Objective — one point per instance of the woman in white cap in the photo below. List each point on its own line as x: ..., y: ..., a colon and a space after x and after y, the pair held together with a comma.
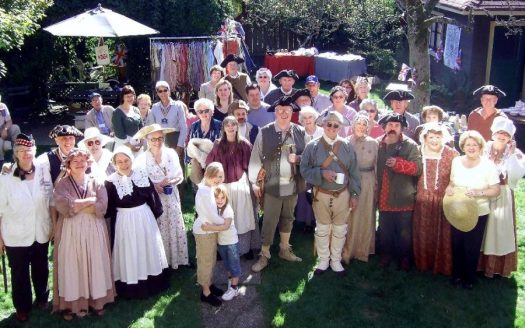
x: 139, y: 259
x: 499, y: 252
x: 94, y: 142
x: 163, y: 168
x: 360, y: 239
x: 431, y: 237
x: 82, y: 252
x: 477, y: 178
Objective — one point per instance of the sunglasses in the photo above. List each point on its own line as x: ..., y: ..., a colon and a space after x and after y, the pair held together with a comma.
x: 203, y: 111
x: 332, y: 125
x: 91, y: 142
x: 162, y: 90
x: 159, y: 139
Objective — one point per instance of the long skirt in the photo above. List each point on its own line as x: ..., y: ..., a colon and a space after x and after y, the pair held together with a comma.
x: 138, y: 253
x: 84, y: 265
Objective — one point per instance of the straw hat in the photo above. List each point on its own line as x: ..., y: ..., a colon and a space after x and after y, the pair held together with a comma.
x: 93, y: 132
x: 142, y: 133
x: 460, y: 210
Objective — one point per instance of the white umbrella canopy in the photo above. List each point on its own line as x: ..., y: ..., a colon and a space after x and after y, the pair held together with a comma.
x: 99, y: 22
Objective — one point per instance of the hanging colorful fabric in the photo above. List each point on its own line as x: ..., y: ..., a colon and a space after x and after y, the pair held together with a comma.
x: 120, y: 55
x: 102, y: 53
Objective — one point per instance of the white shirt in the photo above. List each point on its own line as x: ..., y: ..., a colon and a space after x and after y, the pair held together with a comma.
x: 25, y: 212
x: 206, y: 209
x: 229, y: 236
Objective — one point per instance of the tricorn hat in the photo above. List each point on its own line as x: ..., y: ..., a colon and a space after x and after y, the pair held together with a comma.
x: 287, y: 73
x: 393, y: 117
x: 489, y: 90
x: 300, y: 93
x: 398, y: 95
x: 230, y: 58
x: 460, y: 210
x: 284, y: 101
x: 65, y: 130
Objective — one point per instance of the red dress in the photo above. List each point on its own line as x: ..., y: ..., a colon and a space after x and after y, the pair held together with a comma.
x: 431, y: 231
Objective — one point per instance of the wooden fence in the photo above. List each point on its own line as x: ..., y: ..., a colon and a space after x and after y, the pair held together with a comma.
x: 259, y: 40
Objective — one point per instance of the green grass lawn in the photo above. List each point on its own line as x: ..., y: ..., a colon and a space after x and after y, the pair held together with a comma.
x: 369, y: 296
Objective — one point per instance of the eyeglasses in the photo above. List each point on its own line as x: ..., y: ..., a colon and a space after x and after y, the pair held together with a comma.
x: 158, y: 139
x: 332, y: 125
x: 203, y: 111
x: 162, y: 90
x: 338, y: 97
x: 91, y: 142
x: 371, y: 110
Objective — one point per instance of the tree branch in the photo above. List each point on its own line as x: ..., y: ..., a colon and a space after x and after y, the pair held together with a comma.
x: 439, y: 19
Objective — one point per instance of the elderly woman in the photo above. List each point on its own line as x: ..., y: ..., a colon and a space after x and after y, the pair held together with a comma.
x: 360, y: 239
x: 263, y: 76
x: 164, y: 170
x: 476, y: 177
x: 431, y: 231
x: 303, y: 210
x: 25, y: 226
x: 362, y: 88
x: 370, y: 107
x: 349, y: 87
x: 82, y: 252
x: 233, y: 152
x: 338, y: 97
x: 207, y: 89
x: 94, y: 142
x: 127, y: 121
x: 205, y: 128
x: 499, y: 245
x: 144, y: 105
x: 223, y: 99
x: 139, y: 259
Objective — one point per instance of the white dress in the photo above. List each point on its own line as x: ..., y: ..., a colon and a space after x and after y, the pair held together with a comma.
x: 171, y: 222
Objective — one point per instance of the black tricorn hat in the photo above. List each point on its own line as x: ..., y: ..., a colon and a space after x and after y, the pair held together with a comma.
x: 301, y: 92
x: 287, y: 73
x: 393, y: 117
x: 230, y: 58
x: 284, y: 101
x: 489, y: 90
x: 65, y: 130
x: 398, y: 95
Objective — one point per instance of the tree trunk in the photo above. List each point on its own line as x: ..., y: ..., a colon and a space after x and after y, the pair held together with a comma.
x: 417, y: 34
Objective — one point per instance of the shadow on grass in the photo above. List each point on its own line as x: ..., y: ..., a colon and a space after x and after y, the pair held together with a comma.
x: 377, y: 297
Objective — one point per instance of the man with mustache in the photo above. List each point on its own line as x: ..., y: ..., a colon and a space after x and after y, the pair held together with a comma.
x: 398, y: 165
x: 239, y: 109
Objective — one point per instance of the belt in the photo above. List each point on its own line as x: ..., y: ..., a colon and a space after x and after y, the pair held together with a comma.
x: 366, y: 169
x: 333, y: 193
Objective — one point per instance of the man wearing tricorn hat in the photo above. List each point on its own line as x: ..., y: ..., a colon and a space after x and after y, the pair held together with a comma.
x: 329, y: 163
x: 398, y: 165
x: 481, y: 118
x: 238, y: 80
x: 398, y: 101
x: 287, y: 79
x: 275, y: 178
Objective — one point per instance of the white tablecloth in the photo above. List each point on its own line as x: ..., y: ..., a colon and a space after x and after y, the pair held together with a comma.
x: 330, y: 66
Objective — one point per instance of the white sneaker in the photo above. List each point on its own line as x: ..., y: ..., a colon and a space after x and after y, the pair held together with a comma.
x: 230, y: 294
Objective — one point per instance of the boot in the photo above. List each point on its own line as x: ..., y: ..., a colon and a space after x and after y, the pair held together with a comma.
x: 322, y: 246
x: 336, y: 247
x: 263, y: 260
x: 285, y: 251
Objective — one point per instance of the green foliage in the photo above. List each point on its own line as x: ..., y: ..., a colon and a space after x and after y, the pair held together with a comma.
x: 367, y: 27
x: 19, y: 19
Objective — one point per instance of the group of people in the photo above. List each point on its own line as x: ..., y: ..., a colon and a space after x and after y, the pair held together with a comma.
x: 328, y: 161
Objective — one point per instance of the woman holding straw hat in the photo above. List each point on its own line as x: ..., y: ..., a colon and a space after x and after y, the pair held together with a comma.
x: 83, y: 265
x: 94, y: 142
x: 163, y: 168
x: 499, y: 245
x: 431, y: 238
x: 139, y: 259
x: 475, y: 177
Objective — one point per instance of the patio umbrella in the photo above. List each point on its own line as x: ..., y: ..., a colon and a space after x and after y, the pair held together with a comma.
x: 99, y: 22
